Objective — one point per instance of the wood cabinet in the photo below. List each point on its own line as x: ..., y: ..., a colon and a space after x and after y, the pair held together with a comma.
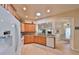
x: 40, y: 40
x: 28, y: 39
x: 28, y: 27
x: 34, y: 39
x: 22, y: 27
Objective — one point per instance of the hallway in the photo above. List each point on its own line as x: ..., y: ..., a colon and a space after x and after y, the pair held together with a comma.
x: 64, y: 47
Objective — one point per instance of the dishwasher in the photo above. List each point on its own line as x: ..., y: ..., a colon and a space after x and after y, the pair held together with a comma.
x: 50, y: 41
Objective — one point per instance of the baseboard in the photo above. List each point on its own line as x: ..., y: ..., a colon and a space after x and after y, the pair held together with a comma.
x: 75, y: 49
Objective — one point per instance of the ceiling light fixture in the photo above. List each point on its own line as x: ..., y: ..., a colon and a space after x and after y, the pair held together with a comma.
x: 38, y: 14
x: 26, y: 16
x: 24, y: 8
x: 48, y: 10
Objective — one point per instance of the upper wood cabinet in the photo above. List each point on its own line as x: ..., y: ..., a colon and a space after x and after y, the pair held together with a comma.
x: 28, y: 27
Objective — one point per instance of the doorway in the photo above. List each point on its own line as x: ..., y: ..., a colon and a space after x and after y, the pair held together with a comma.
x: 64, y: 30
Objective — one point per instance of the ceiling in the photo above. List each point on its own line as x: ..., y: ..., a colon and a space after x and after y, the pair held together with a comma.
x: 32, y: 9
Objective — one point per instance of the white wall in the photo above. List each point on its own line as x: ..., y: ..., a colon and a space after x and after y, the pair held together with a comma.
x: 46, y: 20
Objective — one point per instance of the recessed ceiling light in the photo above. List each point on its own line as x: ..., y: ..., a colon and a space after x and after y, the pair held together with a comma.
x: 24, y: 8
x: 26, y: 16
x: 38, y: 14
x: 48, y: 10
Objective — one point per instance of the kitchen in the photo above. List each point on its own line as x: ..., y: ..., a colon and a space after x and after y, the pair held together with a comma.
x: 31, y: 35
x: 40, y: 33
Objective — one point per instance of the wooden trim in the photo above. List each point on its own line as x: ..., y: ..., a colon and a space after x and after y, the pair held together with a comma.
x: 12, y: 7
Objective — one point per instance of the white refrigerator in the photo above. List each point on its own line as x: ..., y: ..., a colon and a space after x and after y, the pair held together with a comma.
x: 10, y: 35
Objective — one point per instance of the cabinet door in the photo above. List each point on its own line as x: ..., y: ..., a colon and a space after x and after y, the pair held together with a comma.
x: 33, y: 28
x: 40, y: 40
x: 36, y: 39
x: 28, y: 39
x: 30, y: 27
x: 27, y: 27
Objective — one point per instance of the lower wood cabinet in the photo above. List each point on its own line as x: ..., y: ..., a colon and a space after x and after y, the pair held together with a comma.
x: 28, y: 39
x: 34, y: 39
x: 40, y: 40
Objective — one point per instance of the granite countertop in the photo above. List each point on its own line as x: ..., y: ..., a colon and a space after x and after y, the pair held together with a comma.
x: 36, y: 34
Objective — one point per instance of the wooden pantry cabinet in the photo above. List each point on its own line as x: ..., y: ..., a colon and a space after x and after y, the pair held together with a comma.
x: 28, y: 27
